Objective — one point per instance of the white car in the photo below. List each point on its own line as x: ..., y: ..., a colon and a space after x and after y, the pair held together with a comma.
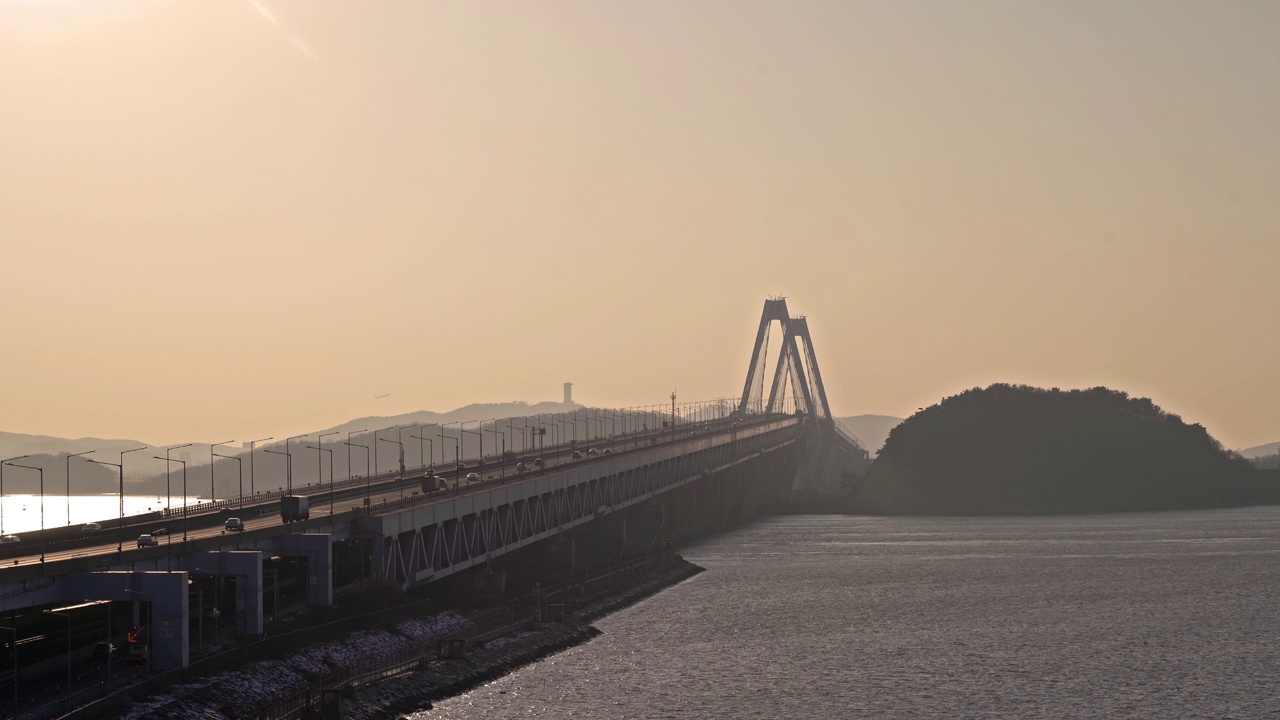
x: 147, y: 541
x: 473, y: 477
x: 9, y: 539
x: 91, y: 528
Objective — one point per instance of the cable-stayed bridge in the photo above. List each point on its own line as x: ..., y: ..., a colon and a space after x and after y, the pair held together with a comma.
x: 656, y: 477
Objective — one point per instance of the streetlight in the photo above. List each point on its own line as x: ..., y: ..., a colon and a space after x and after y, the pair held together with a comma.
x: 462, y: 430
x: 318, y: 462
x: 397, y: 442
x: 348, y: 444
x: 431, y: 448
x: 524, y: 448
x: 251, y: 444
x: 213, y: 492
x: 502, y: 460
x: 288, y: 466
x: 67, y: 699
x: 168, y: 495
x: 120, y: 466
x: 86, y: 452
x: 376, y: 468
x: 366, y: 467
x: 239, y: 472
x: 167, y: 460
x: 319, y: 458
x: 2, y: 464
x: 443, y: 437
x: 400, y: 437
x: 41, y: 471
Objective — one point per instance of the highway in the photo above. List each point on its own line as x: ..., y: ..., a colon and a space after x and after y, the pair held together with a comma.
x: 387, y: 487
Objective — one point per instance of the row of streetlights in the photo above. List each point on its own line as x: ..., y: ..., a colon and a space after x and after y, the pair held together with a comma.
x: 563, y: 426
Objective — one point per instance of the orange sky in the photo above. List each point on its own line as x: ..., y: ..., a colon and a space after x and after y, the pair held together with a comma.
x: 240, y: 219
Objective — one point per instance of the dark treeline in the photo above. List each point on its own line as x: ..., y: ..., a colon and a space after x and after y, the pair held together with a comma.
x: 1012, y: 449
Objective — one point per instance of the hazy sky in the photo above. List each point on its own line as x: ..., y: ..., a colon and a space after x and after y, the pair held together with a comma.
x: 237, y: 219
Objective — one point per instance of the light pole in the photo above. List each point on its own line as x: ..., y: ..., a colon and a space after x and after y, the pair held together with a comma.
x: 376, y: 468
x: 41, y: 471
x: 120, y: 466
x: 184, y: 500
x: 213, y: 492
x: 239, y: 472
x: 502, y: 461
x: 366, y: 467
x: 348, y: 444
x: 397, y: 442
x: 86, y: 452
x: 320, y: 473
x: 455, y: 454
x: 455, y: 444
x: 168, y: 495
x: 431, y: 447
x: 2, y: 464
x: 524, y: 450
x: 251, y: 444
x: 67, y: 699
x: 289, y: 465
x: 462, y: 430
x: 318, y: 461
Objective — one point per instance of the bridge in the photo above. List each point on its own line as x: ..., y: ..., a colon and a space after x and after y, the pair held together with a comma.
x: 574, y: 504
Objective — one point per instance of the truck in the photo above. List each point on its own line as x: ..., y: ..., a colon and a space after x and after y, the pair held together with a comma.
x: 430, y: 482
x: 294, y: 508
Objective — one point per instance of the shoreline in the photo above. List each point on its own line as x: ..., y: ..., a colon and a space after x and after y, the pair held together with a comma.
x: 281, y: 682
x: 416, y: 691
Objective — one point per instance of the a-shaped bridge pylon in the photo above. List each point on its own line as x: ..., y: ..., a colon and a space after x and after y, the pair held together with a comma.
x: 794, y: 369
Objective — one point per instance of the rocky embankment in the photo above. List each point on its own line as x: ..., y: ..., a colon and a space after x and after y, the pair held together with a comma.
x: 252, y: 689
x: 444, y: 678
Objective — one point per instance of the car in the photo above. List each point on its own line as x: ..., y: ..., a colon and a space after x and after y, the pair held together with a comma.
x: 103, y: 650
x: 147, y: 541
x: 160, y: 531
x: 135, y: 655
x: 235, y: 524
x: 473, y: 477
x: 607, y: 451
x: 91, y: 528
x: 5, y: 540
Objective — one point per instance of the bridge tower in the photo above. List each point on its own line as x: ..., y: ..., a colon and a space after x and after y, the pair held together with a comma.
x: 799, y: 371
x: 833, y: 458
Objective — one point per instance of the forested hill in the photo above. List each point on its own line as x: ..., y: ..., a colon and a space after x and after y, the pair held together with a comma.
x: 1012, y: 449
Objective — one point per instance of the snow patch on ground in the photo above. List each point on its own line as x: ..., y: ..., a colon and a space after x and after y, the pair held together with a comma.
x: 265, y: 682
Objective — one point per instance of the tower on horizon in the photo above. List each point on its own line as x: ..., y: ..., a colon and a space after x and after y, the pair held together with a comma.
x: 568, y: 393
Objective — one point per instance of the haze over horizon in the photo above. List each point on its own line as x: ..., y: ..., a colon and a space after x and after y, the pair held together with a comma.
x: 251, y: 219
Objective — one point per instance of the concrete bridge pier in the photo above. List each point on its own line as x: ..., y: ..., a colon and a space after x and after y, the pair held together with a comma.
x: 318, y: 549
x: 245, y: 566
x: 166, y: 618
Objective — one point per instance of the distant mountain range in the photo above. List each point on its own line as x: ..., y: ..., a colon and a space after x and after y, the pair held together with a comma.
x: 13, y: 444
x: 144, y: 474
x: 1261, y: 450
x: 871, y: 430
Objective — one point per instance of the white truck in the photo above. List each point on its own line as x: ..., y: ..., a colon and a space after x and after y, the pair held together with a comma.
x: 294, y: 508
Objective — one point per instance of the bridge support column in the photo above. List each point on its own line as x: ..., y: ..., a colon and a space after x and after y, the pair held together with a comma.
x: 246, y: 567
x: 318, y: 549
x: 167, y: 617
